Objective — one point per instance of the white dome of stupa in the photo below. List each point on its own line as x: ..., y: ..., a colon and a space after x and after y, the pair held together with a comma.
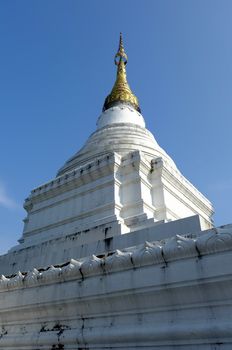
x: 120, y: 129
x: 121, y: 126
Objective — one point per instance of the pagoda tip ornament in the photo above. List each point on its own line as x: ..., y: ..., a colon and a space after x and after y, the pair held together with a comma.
x: 121, y: 92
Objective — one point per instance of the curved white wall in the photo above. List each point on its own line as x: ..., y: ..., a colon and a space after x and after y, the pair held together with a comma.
x: 120, y: 114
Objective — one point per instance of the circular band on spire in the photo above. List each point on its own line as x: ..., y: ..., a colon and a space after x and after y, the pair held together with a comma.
x: 121, y: 92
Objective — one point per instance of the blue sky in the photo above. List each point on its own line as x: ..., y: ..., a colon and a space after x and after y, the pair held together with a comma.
x: 56, y: 68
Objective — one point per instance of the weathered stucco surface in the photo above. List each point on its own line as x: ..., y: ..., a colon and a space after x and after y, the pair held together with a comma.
x: 113, y: 255
x: 170, y: 294
x: 121, y: 175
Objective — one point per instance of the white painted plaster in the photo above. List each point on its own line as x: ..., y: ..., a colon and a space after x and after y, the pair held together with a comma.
x: 120, y: 114
x: 174, y: 293
x: 113, y: 254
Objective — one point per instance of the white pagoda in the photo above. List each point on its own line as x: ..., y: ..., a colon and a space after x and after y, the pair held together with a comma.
x: 118, y: 250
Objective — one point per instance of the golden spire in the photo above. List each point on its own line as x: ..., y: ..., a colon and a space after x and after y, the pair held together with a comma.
x: 121, y: 91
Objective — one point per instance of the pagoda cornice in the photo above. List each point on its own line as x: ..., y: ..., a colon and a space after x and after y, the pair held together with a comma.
x: 148, y: 254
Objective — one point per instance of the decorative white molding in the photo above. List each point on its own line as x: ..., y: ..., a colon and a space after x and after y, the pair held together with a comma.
x: 76, y: 174
x: 118, y: 261
x: 176, y: 179
x: 179, y: 247
x: 91, y: 266
x: 150, y: 253
x: 216, y: 240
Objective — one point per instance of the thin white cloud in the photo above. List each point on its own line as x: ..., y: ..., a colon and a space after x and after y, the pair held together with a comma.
x: 5, y: 200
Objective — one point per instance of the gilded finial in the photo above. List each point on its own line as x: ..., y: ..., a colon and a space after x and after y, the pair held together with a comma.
x: 121, y: 92
x: 121, y: 52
